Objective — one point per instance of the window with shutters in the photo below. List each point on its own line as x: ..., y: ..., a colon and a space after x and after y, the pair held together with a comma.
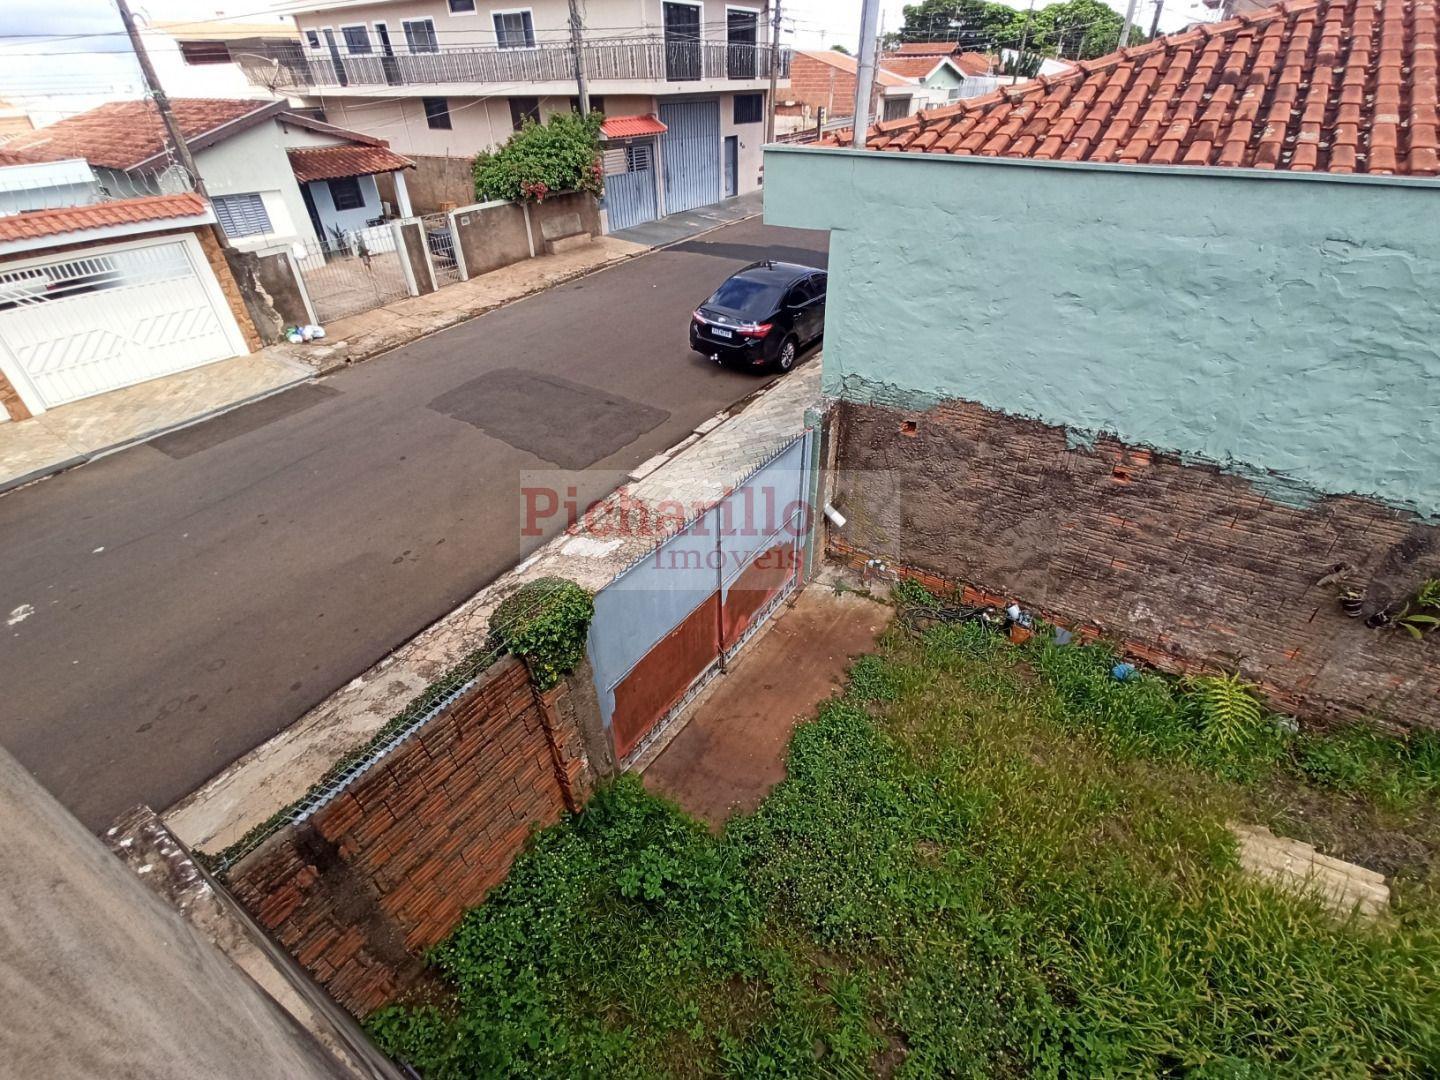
x: 514, y: 29
x: 241, y: 215
x: 420, y: 35
x: 749, y: 108
x: 345, y: 193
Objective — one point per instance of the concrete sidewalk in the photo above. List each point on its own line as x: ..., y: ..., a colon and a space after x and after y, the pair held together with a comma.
x: 676, y: 227
x: 273, y: 775
x: 73, y: 434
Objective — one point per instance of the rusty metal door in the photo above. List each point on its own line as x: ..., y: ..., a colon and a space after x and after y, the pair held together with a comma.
x: 666, y: 626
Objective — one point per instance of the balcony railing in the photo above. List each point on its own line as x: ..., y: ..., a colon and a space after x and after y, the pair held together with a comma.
x: 648, y: 60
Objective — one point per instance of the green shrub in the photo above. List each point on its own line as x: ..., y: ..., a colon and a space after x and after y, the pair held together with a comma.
x: 544, y: 622
x: 540, y: 160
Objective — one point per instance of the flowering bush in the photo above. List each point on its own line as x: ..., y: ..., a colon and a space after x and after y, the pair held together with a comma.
x: 540, y: 160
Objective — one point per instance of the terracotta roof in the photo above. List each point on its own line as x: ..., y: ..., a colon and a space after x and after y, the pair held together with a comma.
x: 1332, y: 85
x: 973, y: 63
x: 328, y: 162
x: 124, y: 134
x: 911, y: 67
x: 849, y: 64
x: 627, y: 127
x: 40, y: 223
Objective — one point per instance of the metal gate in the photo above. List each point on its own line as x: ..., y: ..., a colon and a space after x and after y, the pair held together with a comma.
x: 354, y: 272
x: 440, y: 240
x: 81, y: 326
x: 663, y: 628
x: 690, y: 153
x: 630, y: 184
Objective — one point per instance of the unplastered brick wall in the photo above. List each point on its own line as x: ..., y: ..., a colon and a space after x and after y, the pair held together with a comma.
x: 362, y: 888
x: 1185, y: 565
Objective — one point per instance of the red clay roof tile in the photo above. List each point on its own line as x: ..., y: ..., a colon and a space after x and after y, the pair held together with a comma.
x: 628, y: 127
x: 1323, y: 85
x: 36, y: 224
x: 122, y: 134
x: 329, y: 162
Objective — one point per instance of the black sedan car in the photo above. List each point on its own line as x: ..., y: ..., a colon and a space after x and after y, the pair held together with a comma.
x: 762, y: 316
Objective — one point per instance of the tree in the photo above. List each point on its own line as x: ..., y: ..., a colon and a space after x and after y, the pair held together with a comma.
x: 841, y: 49
x: 1072, y: 29
x: 539, y: 160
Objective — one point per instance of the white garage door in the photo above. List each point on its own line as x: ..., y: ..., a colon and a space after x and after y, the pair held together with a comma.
x: 80, y: 326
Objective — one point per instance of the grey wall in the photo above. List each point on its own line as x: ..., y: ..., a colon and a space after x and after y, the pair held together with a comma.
x: 100, y: 978
x: 491, y: 236
x: 1282, y: 326
x: 436, y: 183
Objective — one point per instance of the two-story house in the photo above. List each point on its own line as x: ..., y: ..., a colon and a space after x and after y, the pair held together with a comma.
x: 682, y: 84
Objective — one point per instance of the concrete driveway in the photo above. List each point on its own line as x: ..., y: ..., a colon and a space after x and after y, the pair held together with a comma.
x: 174, y: 605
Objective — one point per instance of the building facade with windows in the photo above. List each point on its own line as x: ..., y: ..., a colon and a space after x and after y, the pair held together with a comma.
x: 682, y: 84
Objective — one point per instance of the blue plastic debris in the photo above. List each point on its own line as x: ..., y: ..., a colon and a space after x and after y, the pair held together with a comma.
x: 1122, y: 672
x: 1063, y: 636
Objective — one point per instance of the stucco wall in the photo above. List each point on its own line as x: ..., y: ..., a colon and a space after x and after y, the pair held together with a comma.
x: 255, y: 161
x: 1272, y: 324
x: 474, y: 29
x: 347, y: 220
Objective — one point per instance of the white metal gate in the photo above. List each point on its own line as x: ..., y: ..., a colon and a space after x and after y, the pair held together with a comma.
x: 690, y: 153
x: 118, y: 316
x: 354, y: 272
x: 440, y: 241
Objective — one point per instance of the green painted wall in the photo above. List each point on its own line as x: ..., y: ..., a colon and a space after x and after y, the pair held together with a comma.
x: 1273, y: 324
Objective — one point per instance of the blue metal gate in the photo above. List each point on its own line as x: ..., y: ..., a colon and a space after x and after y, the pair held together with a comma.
x: 669, y: 622
x: 630, y: 184
x: 690, y: 152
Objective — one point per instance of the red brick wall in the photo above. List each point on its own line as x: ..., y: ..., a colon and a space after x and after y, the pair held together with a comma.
x: 1185, y: 564
x: 818, y: 84
x: 385, y: 870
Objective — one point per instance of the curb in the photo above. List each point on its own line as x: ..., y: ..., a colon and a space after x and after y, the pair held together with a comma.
x: 88, y: 456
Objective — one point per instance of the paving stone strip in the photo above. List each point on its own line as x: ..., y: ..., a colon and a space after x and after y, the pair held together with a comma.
x: 1293, y: 865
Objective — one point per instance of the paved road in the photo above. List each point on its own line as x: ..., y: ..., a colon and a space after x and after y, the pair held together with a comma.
x: 193, y: 596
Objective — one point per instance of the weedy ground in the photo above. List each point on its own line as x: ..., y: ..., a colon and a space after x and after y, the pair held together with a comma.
x: 986, y: 860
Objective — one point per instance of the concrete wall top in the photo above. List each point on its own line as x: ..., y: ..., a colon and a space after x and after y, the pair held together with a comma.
x: 1283, y: 325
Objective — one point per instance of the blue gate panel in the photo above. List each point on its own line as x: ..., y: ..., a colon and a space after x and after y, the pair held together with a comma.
x: 690, y: 154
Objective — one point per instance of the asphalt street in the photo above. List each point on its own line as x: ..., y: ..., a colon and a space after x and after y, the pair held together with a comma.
x: 191, y: 597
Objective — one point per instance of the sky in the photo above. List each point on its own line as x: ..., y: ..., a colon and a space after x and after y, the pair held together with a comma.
x: 48, y: 66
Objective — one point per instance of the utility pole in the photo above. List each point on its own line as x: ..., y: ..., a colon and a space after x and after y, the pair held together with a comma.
x: 1129, y: 22
x: 865, y: 69
x: 162, y: 103
x: 577, y: 45
x: 1155, y: 22
x: 774, y: 69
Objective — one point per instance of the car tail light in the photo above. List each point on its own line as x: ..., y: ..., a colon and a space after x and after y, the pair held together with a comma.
x: 753, y: 330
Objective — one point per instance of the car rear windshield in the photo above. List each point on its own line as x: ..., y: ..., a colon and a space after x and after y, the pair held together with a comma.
x: 744, y: 296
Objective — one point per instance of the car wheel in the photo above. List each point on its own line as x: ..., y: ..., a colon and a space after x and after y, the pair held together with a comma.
x: 785, y: 359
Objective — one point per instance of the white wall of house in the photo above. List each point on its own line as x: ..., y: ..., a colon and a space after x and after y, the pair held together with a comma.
x: 196, y: 80
x: 255, y: 161
x: 751, y: 146
x: 346, y: 220
x: 461, y: 29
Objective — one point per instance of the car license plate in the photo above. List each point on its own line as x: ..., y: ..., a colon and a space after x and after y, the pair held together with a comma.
x: 718, y: 332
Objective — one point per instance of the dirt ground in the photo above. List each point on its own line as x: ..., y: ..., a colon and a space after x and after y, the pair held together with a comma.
x: 732, y: 751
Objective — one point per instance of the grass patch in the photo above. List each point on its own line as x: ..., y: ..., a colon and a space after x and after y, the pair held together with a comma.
x: 984, y: 861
